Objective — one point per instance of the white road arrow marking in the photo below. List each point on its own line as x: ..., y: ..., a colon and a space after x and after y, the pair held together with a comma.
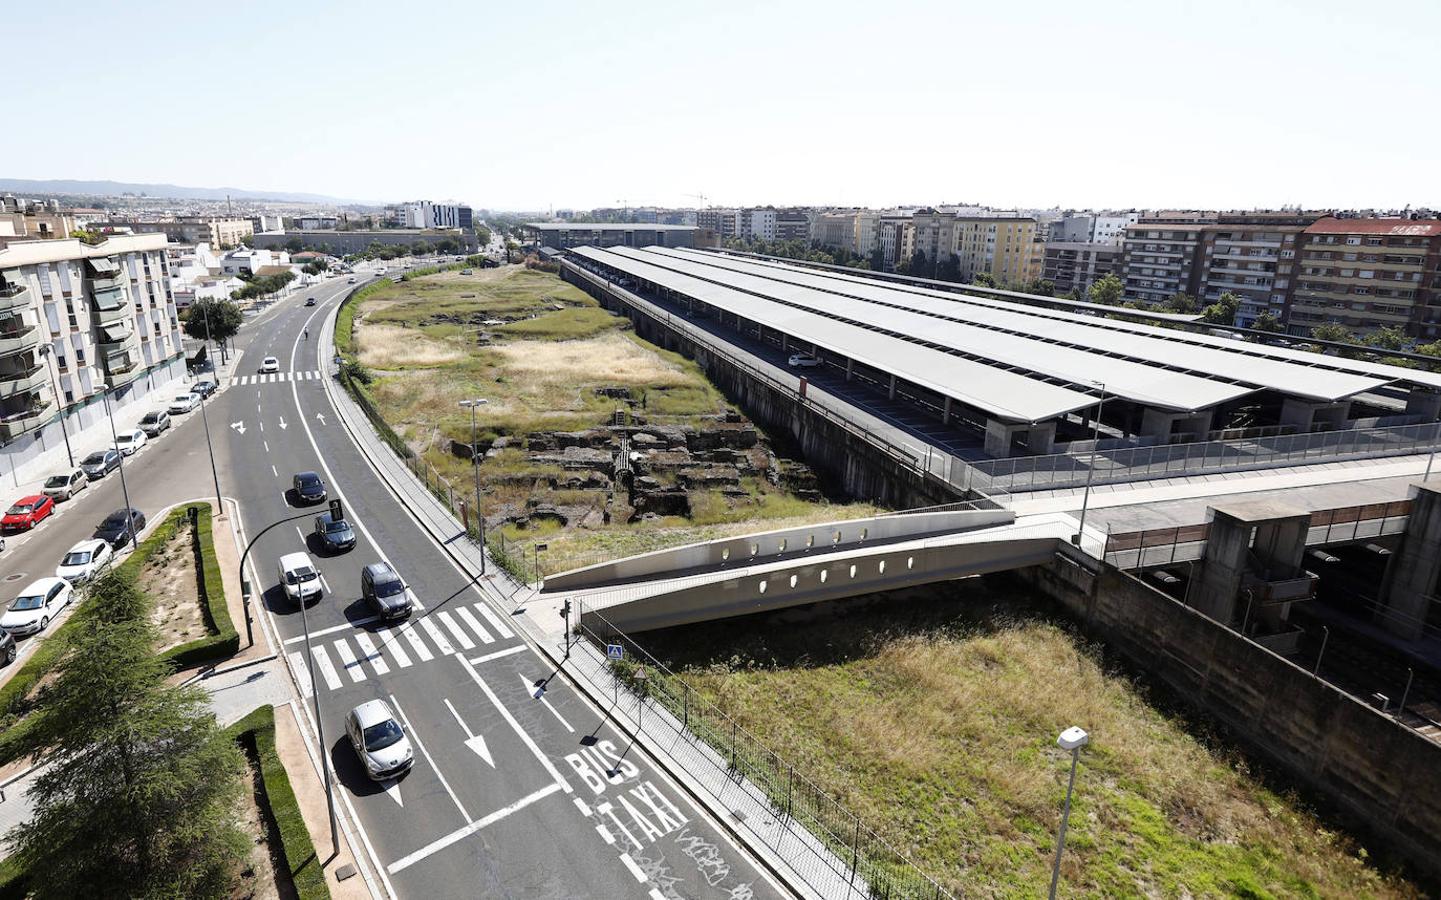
x: 474, y: 741
x: 238, y: 426
x: 392, y: 787
x: 282, y: 423
x: 321, y: 417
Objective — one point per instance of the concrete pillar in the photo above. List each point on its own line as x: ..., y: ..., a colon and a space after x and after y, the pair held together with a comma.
x: 1167, y: 423
x: 1421, y: 402
x: 1306, y: 415
x: 998, y: 437
x: 849, y: 364
x: 785, y: 342
x: 1410, y: 579
x: 1233, y: 559
x: 892, y: 392
x: 1041, y: 437
x: 946, y: 412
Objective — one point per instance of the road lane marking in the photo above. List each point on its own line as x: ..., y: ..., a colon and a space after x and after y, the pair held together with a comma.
x: 538, y: 693
x: 460, y: 636
x: 322, y: 659
x: 655, y: 894
x: 297, y: 665
x: 357, y: 623
x: 495, y: 622
x: 508, y: 651
x: 352, y: 665
x: 435, y: 635
x: 401, y: 658
x: 474, y: 741
x: 273, y: 469
x: 416, y: 644
x: 407, y: 861
x: 479, y: 629
x: 510, y: 720
x: 605, y: 834
x: 634, y: 869
x: 372, y: 655
x: 415, y: 736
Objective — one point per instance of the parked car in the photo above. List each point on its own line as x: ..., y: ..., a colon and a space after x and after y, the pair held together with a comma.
x: 379, y: 740
x: 803, y: 361
x: 7, y: 647
x: 299, y: 577
x: 41, y: 601
x: 203, y: 389
x: 269, y: 365
x: 385, y: 592
x: 155, y: 422
x: 335, y: 535
x: 308, y: 488
x: 309, y: 301
x: 65, y: 485
x: 128, y: 442
x: 184, y: 403
x: 85, y: 560
x: 27, y: 513
x: 100, y: 463
x: 118, y: 527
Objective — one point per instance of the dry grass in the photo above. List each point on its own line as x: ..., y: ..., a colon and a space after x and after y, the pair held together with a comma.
x: 171, y: 579
x: 384, y: 346
x: 608, y: 359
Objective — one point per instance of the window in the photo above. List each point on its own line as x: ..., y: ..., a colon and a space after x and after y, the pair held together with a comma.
x: 1353, y: 241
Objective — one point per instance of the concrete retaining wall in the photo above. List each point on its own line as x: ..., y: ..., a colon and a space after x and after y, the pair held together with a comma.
x: 1361, y: 761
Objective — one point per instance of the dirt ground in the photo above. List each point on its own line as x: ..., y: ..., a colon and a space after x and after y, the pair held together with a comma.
x: 171, y: 578
x: 261, y: 877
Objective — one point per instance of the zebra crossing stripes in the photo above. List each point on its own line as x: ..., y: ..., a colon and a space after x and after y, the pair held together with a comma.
x: 352, y: 665
x: 276, y: 377
x: 475, y: 626
x: 372, y: 655
x: 460, y: 636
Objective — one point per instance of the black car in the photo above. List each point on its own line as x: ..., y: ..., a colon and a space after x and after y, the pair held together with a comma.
x: 309, y: 301
x: 100, y: 463
x: 7, y: 647
x: 334, y: 535
x: 309, y: 488
x: 384, y: 591
x: 203, y: 388
x: 120, y: 525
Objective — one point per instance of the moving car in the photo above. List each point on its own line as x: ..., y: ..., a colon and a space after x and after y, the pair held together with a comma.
x: 120, y: 525
x: 65, y: 485
x: 350, y: 280
x: 27, y: 512
x: 385, y: 592
x: 269, y: 365
x: 184, y: 403
x: 100, y: 463
x: 379, y: 740
x: 40, y: 602
x: 155, y: 422
x: 308, y: 488
x: 84, y: 561
x: 203, y: 388
x: 309, y: 301
x: 803, y: 361
x: 335, y: 535
x: 299, y: 578
x: 127, y: 442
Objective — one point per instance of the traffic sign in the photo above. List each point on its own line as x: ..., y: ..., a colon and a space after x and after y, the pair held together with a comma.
x: 614, y: 651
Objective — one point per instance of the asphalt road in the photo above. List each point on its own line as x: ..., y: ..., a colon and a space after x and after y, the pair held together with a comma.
x: 511, y: 795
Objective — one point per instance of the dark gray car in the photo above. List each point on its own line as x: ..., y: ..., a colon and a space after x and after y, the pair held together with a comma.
x: 384, y: 591
x: 100, y: 463
x: 119, y: 525
x: 335, y: 535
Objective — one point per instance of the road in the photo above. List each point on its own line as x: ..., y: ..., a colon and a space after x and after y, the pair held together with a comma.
x: 512, y: 795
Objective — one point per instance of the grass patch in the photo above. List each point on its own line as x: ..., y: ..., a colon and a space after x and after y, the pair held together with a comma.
x: 933, y: 715
x: 567, y: 324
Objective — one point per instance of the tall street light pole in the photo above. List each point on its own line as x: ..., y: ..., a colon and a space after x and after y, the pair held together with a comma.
x: 48, y: 351
x: 1091, y: 466
x: 124, y: 491
x: 1072, y: 739
x: 214, y: 473
x: 474, y: 404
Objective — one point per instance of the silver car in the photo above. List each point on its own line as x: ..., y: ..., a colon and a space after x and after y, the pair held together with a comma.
x: 379, y: 740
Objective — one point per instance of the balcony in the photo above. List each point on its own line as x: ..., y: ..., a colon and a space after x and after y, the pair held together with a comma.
x: 103, y: 317
x: 26, y: 337
x: 14, y: 296
x: 22, y: 381
x: 12, y: 425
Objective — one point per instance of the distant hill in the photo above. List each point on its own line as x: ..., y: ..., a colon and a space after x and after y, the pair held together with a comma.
x: 171, y: 191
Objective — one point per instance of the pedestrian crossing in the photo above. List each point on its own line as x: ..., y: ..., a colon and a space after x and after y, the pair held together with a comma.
x: 276, y: 377
x: 426, y: 636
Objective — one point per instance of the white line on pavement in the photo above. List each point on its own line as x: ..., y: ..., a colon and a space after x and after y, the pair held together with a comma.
x: 634, y: 869
x: 406, y: 862
x: 297, y: 664
x: 415, y: 736
x: 331, y: 630
x: 416, y: 644
x: 372, y: 655
x: 322, y: 659
x: 538, y: 694
x: 460, y: 636
x: 352, y: 665
x: 390, y: 640
x: 475, y: 625
x: 510, y: 720
x: 500, y: 627
x: 435, y: 635
x: 518, y: 648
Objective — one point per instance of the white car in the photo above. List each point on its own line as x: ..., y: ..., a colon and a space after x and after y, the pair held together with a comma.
x: 184, y: 403
x: 37, y: 605
x: 127, y: 442
x: 269, y: 365
x: 803, y: 361
x: 379, y: 740
x: 85, y: 560
x: 299, y: 577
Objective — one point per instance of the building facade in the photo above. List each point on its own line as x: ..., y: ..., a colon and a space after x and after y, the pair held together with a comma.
x: 1252, y: 259
x: 1161, y: 259
x: 425, y: 214
x: 757, y: 224
x: 725, y: 223
x: 835, y: 230
x: 1368, y: 274
x: 564, y: 235
x: 218, y: 233
x: 793, y: 225
x: 1076, y: 265
x: 934, y: 235
x: 1003, y: 247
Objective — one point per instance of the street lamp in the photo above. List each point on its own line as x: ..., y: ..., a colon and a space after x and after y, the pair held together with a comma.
x: 48, y: 351
x: 475, y: 467
x: 1072, y: 739
x: 125, y: 491
x: 214, y: 473
x: 1091, y: 464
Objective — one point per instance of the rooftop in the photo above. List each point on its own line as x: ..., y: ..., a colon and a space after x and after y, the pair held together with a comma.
x: 606, y: 226
x: 1394, y: 227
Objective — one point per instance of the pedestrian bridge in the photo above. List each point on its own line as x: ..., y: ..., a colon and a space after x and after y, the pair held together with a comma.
x: 794, y: 566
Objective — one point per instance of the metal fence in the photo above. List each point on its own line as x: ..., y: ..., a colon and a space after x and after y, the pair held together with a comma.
x: 849, y: 853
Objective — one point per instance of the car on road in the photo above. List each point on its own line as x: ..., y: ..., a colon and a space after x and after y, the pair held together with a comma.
x: 7, y: 647
x: 27, y: 513
x: 100, y: 463
x: 128, y: 442
x: 269, y: 365
x: 65, y: 485
x: 308, y: 487
x: 155, y: 422
x: 334, y: 535
x: 184, y: 403
x: 85, y: 560
x: 202, y: 389
x: 41, y: 601
x: 385, y: 592
x: 803, y: 361
x: 309, y: 301
x: 379, y: 740
x: 119, y: 526
x: 350, y: 280
x: 299, y: 577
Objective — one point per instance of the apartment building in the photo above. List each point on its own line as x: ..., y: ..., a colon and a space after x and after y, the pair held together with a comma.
x: 425, y: 214
x: 1368, y: 274
x: 1004, y: 247
x: 724, y: 223
x: 896, y: 238
x: 835, y: 230
x: 757, y: 224
x: 1076, y: 265
x: 1252, y: 256
x: 29, y: 220
x: 78, y: 321
x: 1161, y: 259
x: 793, y: 225
x: 934, y: 234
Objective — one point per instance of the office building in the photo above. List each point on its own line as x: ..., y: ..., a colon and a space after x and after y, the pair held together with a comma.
x: 1368, y: 274
x: 1076, y: 265
x: 425, y: 214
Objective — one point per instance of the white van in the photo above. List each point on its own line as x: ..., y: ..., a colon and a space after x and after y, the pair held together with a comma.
x: 299, y: 577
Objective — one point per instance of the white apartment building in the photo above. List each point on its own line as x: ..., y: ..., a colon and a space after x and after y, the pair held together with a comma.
x: 252, y: 260
x: 1110, y: 228
x: 77, y: 322
x: 425, y: 214
x: 757, y: 224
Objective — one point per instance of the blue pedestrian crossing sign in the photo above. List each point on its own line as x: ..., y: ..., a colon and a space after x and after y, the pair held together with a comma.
x: 614, y: 651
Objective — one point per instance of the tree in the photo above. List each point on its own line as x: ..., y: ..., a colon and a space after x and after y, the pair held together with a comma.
x: 1180, y: 302
x: 919, y: 266
x: 1075, y: 294
x: 984, y: 279
x: 295, y: 245
x: 878, y: 259
x: 87, y: 236
x: 1042, y: 287
x: 1107, y: 290
x: 1267, y: 322
x: 1389, y: 338
x: 1333, y: 332
x: 216, y: 320
x: 140, y: 789
x: 1223, y: 311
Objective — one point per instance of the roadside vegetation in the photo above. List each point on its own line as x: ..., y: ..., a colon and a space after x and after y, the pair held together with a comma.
x: 933, y: 715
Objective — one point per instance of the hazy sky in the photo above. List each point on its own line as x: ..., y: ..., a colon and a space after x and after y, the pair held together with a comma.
x: 528, y: 105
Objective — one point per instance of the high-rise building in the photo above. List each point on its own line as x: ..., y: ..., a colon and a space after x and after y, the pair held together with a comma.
x: 725, y: 223
x: 425, y: 214
x: 1161, y: 259
x: 934, y: 235
x: 757, y: 224
x: 1367, y: 274
x: 1251, y: 255
x: 793, y: 225
x: 1004, y: 247
x: 1076, y: 265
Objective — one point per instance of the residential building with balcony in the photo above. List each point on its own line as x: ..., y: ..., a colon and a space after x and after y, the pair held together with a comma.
x: 757, y: 224
x: 793, y: 225
x: 933, y: 234
x: 1004, y: 247
x: 724, y: 222
x: 1368, y: 274
x: 219, y: 233
x: 1076, y: 265
x: 1252, y: 256
x: 835, y: 230
x: 1160, y: 259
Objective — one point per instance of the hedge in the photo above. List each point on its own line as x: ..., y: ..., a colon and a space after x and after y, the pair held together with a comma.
x: 256, y: 733
x: 223, y: 640
x: 14, y: 883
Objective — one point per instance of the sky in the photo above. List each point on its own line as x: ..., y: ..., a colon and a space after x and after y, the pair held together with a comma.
x: 1081, y: 103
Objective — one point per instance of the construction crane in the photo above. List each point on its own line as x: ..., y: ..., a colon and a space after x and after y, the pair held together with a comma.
x: 700, y: 197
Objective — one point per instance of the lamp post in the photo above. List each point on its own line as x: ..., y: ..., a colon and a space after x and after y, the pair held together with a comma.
x: 475, y: 467
x: 1091, y: 465
x: 124, y: 491
x: 48, y: 351
x: 214, y: 473
x: 1072, y: 739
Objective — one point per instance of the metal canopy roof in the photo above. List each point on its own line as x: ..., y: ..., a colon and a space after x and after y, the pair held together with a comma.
x: 1134, y: 381
x: 1163, y: 350
x: 993, y: 390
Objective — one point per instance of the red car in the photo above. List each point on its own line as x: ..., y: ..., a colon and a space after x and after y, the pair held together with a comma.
x: 27, y: 512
